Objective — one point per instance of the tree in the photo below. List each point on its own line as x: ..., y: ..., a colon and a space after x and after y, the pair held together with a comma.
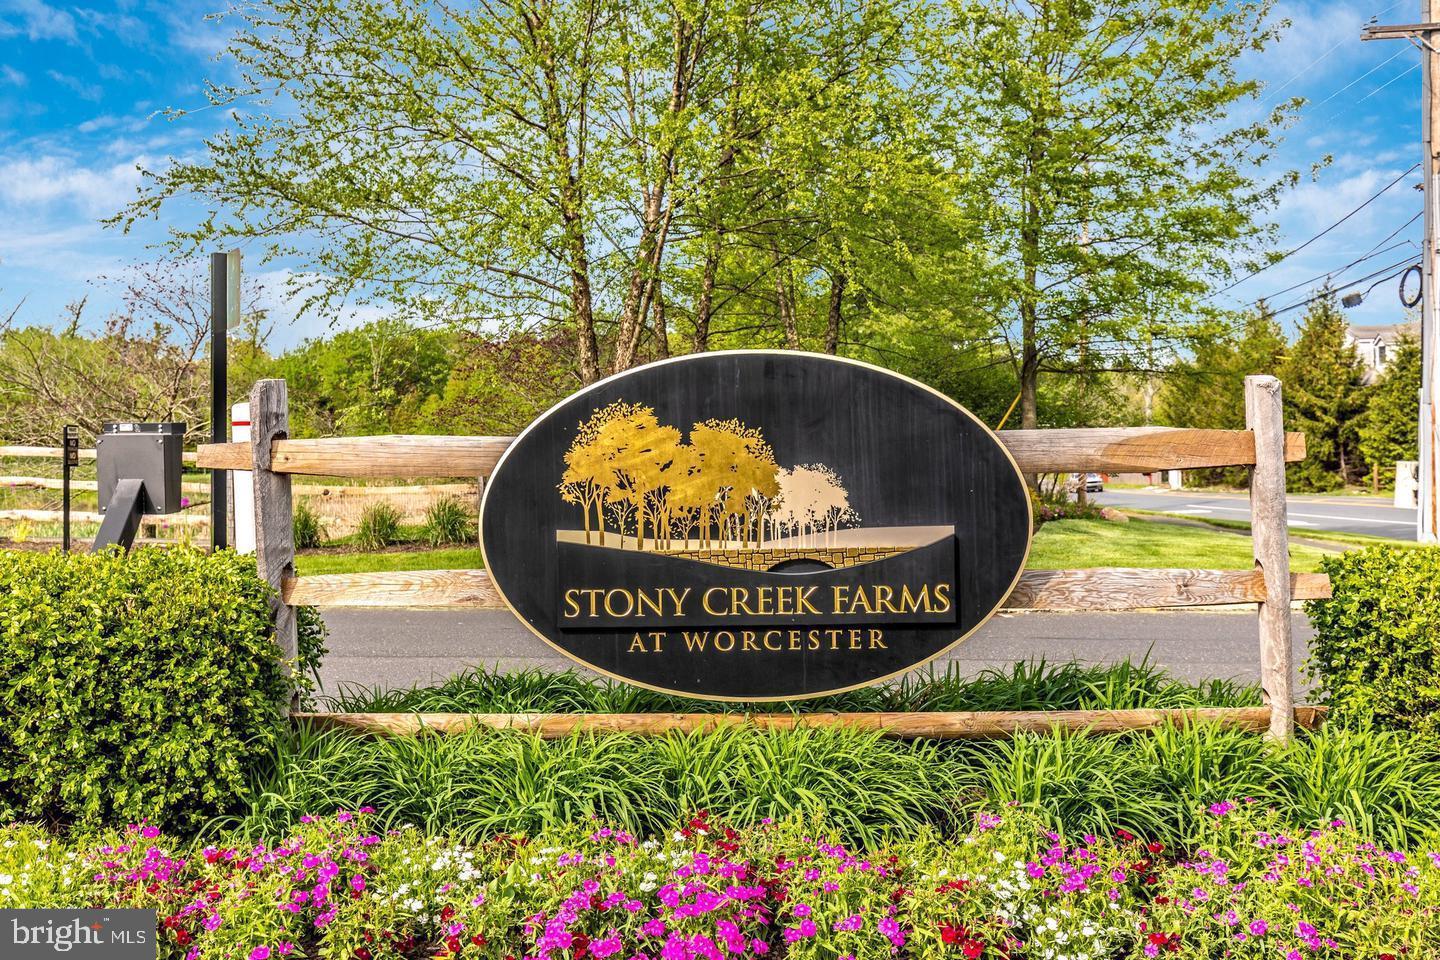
x: 1117, y: 183
x: 1207, y: 390
x: 1390, y: 427
x: 147, y: 360
x: 1324, y: 394
x: 376, y: 378
x: 575, y: 162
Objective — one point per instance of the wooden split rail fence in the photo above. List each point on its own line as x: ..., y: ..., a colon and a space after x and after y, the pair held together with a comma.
x: 1270, y: 585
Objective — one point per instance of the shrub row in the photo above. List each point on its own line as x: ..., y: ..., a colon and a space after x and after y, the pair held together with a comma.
x: 338, y: 887
x: 139, y: 685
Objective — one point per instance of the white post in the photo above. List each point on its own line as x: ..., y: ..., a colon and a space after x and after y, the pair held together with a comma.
x: 243, y: 500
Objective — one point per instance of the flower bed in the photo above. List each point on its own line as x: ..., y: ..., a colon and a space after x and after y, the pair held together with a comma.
x: 336, y: 887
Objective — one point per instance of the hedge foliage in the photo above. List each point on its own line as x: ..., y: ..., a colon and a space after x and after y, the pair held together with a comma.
x: 136, y: 686
x: 1376, y: 652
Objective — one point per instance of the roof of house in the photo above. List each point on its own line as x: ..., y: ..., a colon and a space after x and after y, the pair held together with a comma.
x: 1386, y: 331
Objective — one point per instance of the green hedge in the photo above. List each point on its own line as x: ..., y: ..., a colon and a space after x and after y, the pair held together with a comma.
x: 1376, y: 652
x: 139, y: 686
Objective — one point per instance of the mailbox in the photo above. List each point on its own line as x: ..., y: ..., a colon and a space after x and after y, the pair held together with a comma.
x: 138, y: 466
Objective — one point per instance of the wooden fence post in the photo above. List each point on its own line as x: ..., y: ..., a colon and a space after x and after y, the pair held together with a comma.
x: 1269, y: 529
x: 274, y: 522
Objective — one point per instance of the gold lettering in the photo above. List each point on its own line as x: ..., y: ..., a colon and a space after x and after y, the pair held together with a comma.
x: 794, y: 639
x: 678, y: 599
x: 854, y: 639
x: 747, y: 641
x: 740, y: 601
x: 724, y: 641
x: 802, y: 600
x: 883, y: 602
x: 942, y: 597
x: 657, y: 636
x: 572, y: 604
x: 643, y: 599
x: 813, y: 640
x: 913, y: 602
x: 594, y: 596
x: 705, y: 601
x: 771, y: 635
x: 834, y: 636
x: 838, y: 595
x: 629, y: 603
x: 877, y: 639
x: 860, y: 601
x: 696, y: 641
x: 764, y: 599
x: 637, y: 643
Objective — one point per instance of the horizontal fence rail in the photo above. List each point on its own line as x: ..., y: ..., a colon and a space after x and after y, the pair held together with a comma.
x: 44, y: 453
x: 1109, y: 588
x: 954, y: 725
x: 1117, y: 450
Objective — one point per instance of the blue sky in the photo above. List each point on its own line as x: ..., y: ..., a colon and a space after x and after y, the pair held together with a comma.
x: 81, y: 88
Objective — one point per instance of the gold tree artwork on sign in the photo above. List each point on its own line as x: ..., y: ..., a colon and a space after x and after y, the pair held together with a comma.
x: 637, y: 478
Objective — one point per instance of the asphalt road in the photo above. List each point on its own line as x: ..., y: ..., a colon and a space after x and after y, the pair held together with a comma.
x: 401, y: 648
x: 1372, y: 515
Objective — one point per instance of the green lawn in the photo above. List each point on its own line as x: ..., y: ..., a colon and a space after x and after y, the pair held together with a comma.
x: 1070, y: 544
x: 1060, y: 545
x: 446, y: 558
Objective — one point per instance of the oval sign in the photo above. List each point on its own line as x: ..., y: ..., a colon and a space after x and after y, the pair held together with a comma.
x: 755, y: 525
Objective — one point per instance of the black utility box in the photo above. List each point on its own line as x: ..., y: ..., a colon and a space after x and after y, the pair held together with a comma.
x: 148, y: 452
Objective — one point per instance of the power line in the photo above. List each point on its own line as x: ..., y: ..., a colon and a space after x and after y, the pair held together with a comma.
x: 1403, y: 265
x: 1332, y: 274
x: 1295, y: 250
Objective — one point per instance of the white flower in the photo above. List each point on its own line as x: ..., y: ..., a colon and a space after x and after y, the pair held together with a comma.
x: 6, y: 879
x: 1050, y: 924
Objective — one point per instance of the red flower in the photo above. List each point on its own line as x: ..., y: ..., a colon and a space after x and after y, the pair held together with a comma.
x: 182, y: 937
x: 952, y: 934
x: 452, y: 944
x: 1124, y: 836
x: 478, y: 940
x: 362, y: 954
x: 972, y: 949
x: 447, y: 913
x: 1156, y: 847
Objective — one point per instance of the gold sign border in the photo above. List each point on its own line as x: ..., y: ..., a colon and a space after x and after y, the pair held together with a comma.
x: 1029, y: 537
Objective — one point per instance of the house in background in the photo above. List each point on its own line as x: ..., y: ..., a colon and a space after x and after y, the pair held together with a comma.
x: 1376, y: 345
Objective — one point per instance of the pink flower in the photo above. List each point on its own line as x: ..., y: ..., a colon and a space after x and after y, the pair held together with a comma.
x: 1259, y: 928
x: 260, y: 953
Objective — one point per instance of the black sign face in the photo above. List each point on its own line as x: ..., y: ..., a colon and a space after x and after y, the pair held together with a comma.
x: 755, y: 525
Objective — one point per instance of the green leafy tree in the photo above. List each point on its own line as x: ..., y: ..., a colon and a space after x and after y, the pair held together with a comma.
x: 1207, y: 390
x: 376, y: 378
x: 1118, y: 185
x: 1323, y: 383
x: 1390, y: 428
x: 577, y: 162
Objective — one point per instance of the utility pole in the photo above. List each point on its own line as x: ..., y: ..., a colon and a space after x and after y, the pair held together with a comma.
x: 1425, y: 35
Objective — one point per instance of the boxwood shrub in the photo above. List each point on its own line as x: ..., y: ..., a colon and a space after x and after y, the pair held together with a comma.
x: 139, y: 686
x: 1376, y: 652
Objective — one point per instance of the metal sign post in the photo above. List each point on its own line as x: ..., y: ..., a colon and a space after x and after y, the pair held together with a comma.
x: 69, y: 459
x: 224, y: 313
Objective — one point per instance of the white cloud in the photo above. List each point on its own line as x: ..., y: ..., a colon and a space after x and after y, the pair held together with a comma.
x: 40, y: 181
x: 38, y: 20
x: 284, y: 293
x: 11, y: 77
x: 83, y: 90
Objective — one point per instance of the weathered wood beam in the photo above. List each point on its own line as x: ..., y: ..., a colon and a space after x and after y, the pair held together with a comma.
x: 1136, y: 449
x: 369, y: 457
x: 56, y: 452
x: 961, y: 725
x: 1106, y: 588
x: 1130, y: 449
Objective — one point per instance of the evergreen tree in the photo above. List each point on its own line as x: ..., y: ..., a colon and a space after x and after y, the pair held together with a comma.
x: 1208, y: 390
x: 1324, y: 396
x: 1390, y: 429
